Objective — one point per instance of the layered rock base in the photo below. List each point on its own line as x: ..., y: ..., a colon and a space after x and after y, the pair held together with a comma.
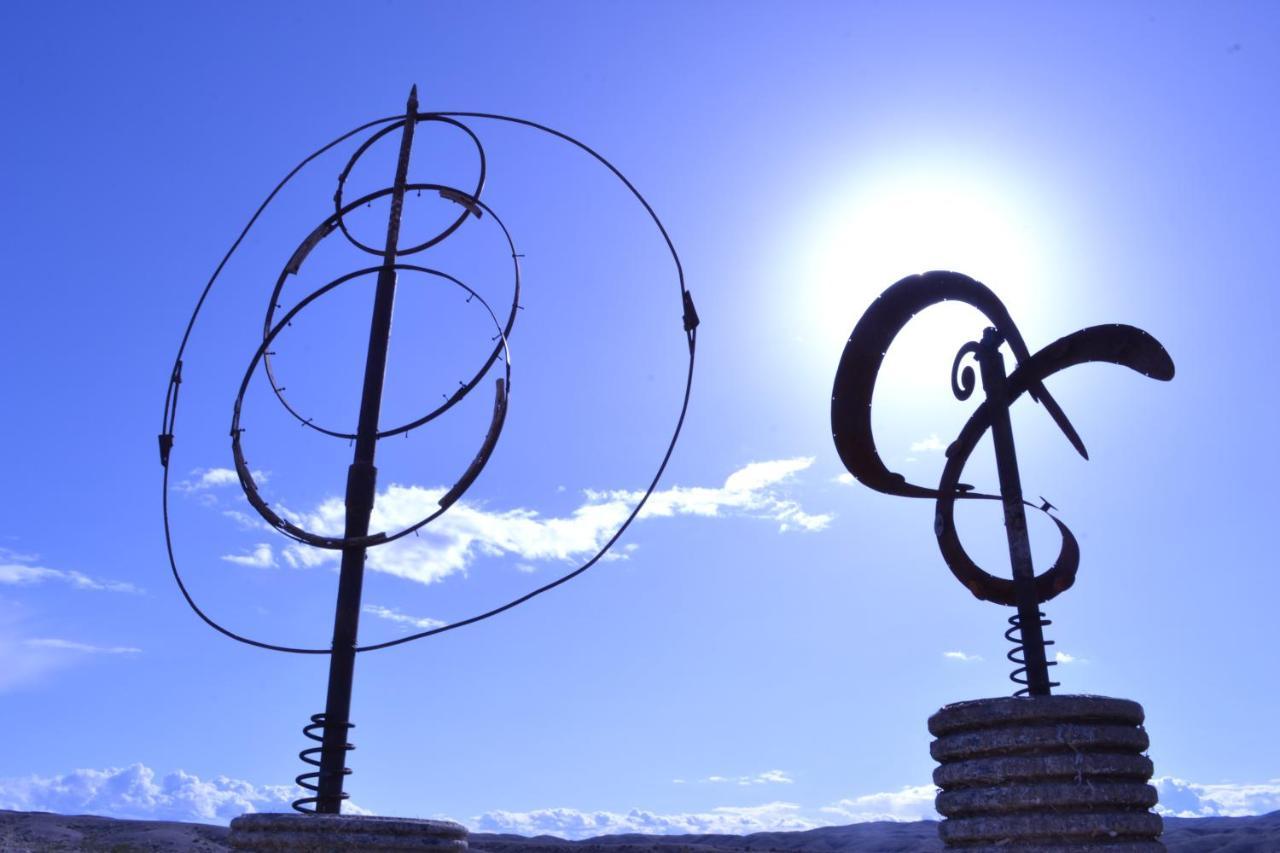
x: 1052, y: 774
x: 296, y: 833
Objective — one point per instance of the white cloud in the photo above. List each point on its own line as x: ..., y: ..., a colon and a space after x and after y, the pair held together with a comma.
x: 845, y: 479
x: 913, y: 802
x: 134, y: 792
x: 1063, y: 657
x: 961, y: 656
x: 571, y: 823
x: 931, y: 444
x: 261, y: 557
x: 72, y: 646
x: 422, y: 623
x: 23, y: 574
x: 451, y: 543
x: 1180, y: 798
x: 203, y: 479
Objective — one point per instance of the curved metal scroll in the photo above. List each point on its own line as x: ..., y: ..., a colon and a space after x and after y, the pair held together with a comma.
x: 855, y: 383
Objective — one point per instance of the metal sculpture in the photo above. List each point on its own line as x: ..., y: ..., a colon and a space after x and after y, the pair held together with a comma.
x: 851, y: 428
x: 330, y: 728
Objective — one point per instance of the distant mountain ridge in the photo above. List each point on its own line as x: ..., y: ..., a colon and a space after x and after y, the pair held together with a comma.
x: 44, y: 832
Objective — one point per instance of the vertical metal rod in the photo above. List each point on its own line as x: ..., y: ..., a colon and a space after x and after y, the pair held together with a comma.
x: 995, y: 385
x: 362, y: 481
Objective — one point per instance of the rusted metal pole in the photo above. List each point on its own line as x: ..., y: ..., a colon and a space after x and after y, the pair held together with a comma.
x: 362, y: 481
x: 994, y: 383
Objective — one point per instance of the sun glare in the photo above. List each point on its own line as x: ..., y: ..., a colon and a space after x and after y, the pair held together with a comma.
x: 880, y: 228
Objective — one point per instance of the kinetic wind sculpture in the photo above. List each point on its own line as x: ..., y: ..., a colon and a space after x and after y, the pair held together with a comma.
x: 1005, y: 758
x: 326, y: 782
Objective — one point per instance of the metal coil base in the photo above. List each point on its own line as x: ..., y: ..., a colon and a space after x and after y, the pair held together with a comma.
x: 1052, y: 774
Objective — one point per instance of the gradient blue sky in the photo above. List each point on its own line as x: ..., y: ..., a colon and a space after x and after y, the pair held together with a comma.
x: 768, y: 651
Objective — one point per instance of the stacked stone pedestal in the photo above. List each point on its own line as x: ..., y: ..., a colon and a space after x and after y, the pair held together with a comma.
x: 1053, y: 774
x: 321, y: 833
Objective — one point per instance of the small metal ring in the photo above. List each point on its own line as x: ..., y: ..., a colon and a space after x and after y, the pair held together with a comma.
x: 339, y: 210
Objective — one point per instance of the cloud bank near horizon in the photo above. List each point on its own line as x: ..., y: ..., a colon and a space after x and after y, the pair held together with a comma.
x: 137, y: 792
x: 575, y: 824
x: 1180, y: 798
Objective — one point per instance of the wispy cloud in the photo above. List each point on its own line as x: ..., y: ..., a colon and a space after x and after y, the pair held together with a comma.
x: 422, y: 623
x: 245, y: 521
x: 1180, y: 798
x: 261, y: 557
x: 453, y: 542
x: 765, y: 778
x: 932, y: 444
x: 18, y: 573
x: 962, y: 657
x: 572, y: 823
x: 845, y: 479
x: 72, y: 646
x: 1063, y: 657
x: 135, y: 792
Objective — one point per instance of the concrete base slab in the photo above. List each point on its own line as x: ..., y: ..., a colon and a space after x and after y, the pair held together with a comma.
x: 306, y: 833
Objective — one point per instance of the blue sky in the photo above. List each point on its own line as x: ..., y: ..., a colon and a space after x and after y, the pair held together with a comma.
x: 768, y: 645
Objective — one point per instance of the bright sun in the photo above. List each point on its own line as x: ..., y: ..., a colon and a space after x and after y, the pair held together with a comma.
x: 897, y: 222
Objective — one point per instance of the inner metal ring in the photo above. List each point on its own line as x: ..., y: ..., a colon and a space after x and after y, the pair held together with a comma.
x: 459, y: 487
x: 340, y: 210
x: 471, y: 205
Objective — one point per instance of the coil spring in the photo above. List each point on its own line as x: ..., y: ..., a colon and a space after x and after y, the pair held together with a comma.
x: 308, y: 756
x: 1017, y: 655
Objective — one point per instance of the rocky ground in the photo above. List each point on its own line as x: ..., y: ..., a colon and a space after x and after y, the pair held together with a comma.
x: 37, y: 832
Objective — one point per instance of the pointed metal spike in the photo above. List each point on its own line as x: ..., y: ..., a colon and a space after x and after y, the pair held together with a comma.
x: 1060, y: 418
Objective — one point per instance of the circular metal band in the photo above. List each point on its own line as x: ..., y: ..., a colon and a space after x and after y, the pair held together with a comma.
x: 337, y: 543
